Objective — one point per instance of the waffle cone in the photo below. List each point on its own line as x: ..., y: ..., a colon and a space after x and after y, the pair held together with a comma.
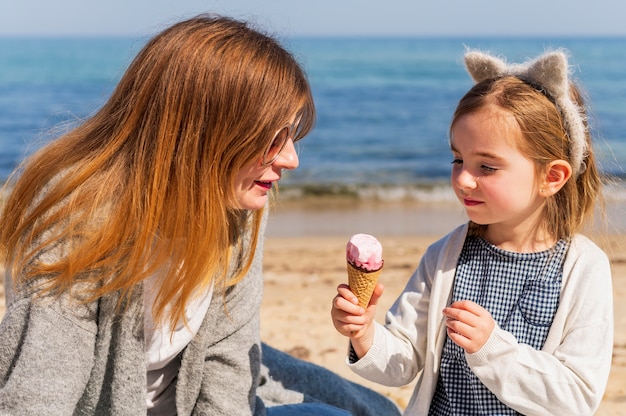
x: 362, y: 283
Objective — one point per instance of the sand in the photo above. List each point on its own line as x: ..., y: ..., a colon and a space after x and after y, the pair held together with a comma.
x: 305, y: 261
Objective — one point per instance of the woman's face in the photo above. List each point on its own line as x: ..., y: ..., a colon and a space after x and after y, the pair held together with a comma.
x: 254, y: 181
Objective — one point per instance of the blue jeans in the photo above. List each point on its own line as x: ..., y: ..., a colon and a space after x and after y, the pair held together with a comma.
x: 289, y: 386
x: 306, y: 409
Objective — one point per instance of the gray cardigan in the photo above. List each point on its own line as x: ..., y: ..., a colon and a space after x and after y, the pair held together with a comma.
x: 58, y: 357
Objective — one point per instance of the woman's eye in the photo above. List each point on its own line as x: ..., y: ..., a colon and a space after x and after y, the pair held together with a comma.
x: 488, y: 169
x: 457, y: 162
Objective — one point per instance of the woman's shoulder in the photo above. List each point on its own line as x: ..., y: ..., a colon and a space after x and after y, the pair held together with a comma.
x: 34, y: 299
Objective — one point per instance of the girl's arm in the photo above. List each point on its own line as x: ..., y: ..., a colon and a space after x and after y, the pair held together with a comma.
x: 398, y: 351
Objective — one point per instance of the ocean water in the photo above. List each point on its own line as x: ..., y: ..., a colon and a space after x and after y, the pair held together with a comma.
x: 384, y: 104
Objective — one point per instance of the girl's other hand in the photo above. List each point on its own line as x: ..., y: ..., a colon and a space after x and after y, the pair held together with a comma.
x: 469, y: 325
x: 353, y: 321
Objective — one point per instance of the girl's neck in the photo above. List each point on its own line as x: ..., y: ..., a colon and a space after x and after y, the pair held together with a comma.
x: 530, y: 241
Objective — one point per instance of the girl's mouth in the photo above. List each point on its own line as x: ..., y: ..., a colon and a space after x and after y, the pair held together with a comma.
x: 470, y: 202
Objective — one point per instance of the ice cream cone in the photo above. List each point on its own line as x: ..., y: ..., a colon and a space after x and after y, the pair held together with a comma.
x: 362, y: 283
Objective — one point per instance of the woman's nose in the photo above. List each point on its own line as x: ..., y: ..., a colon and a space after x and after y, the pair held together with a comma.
x: 288, y: 157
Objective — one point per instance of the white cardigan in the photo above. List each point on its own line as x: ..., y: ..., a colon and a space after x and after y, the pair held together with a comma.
x: 567, y: 376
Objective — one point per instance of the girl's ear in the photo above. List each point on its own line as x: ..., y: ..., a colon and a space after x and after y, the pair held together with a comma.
x: 557, y: 174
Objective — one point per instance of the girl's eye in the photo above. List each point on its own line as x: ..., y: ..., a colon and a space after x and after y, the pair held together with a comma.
x: 457, y: 162
x: 488, y: 169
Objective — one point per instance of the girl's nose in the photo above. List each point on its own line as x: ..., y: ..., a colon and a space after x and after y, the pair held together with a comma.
x: 288, y: 157
x: 464, y: 179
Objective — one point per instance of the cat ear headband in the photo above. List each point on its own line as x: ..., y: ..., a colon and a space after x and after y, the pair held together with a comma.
x: 548, y: 72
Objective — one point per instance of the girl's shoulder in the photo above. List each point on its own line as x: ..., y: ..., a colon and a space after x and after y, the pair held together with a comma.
x: 581, y: 245
x: 585, y: 259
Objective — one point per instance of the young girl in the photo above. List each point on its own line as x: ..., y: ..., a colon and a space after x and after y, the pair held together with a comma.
x: 133, y: 243
x: 512, y: 312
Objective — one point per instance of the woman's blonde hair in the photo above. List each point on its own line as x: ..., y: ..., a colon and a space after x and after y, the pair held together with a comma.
x: 545, y: 140
x: 147, y: 183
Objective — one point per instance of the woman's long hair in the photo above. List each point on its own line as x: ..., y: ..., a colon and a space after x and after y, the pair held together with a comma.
x: 146, y: 184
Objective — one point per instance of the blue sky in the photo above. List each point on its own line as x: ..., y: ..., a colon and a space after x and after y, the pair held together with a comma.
x: 322, y: 17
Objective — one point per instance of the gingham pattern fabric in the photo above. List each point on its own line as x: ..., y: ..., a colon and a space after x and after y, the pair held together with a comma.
x: 521, y: 291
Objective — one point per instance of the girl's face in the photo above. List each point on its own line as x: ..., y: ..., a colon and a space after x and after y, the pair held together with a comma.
x: 494, y: 181
x: 254, y: 181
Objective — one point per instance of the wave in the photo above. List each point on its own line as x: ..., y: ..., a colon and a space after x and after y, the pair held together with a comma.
x: 614, y: 190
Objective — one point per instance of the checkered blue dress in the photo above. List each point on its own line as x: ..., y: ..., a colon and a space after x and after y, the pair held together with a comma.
x: 521, y: 291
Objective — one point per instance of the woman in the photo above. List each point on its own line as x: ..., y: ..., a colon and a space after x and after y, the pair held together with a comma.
x: 133, y: 242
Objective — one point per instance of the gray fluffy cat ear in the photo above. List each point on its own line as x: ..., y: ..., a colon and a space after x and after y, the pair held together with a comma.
x: 550, y: 71
x: 482, y: 66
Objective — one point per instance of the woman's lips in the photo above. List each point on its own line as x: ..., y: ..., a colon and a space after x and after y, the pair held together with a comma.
x: 264, y: 185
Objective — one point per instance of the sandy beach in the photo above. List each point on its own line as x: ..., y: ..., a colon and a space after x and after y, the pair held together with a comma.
x: 305, y: 261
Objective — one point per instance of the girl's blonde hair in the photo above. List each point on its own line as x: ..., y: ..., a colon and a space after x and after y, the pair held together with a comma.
x: 147, y: 183
x: 545, y: 140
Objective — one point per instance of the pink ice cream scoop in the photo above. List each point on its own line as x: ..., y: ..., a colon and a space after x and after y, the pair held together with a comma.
x: 364, y: 255
x: 365, y: 252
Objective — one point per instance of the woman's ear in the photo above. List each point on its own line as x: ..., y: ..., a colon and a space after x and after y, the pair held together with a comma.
x: 557, y: 174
